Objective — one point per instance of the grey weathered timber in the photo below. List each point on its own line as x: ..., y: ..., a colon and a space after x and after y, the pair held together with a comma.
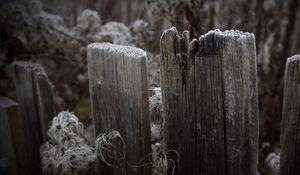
x: 119, y: 99
x: 290, y: 124
x: 209, y: 101
x: 176, y: 74
x: 8, y: 134
x: 34, y: 95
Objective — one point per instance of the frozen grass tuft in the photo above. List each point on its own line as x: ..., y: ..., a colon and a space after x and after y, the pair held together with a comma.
x: 106, y: 148
x: 110, y: 149
x: 155, y: 114
x: 67, y: 152
x: 273, y: 161
x: 162, y: 161
x: 65, y: 128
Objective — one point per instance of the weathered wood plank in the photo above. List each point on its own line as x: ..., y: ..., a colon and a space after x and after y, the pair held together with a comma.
x: 209, y: 120
x: 36, y: 104
x: 44, y: 101
x: 119, y: 98
x: 290, y: 124
x: 215, y: 97
x: 239, y: 76
x: 8, y: 114
x: 176, y: 75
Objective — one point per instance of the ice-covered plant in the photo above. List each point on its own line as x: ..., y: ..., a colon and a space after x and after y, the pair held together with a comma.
x: 273, y: 161
x: 67, y: 152
x: 107, y: 150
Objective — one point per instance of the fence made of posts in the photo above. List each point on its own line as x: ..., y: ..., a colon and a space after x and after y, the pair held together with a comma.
x: 209, y: 109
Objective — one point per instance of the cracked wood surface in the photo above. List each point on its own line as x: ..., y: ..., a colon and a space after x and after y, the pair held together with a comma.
x: 209, y: 101
x: 119, y: 99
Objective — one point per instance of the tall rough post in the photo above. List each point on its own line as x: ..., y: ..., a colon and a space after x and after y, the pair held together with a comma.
x: 9, y: 136
x: 34, y: 95
x: 209, y: 101
x: 290, y: 124
x: 119, y: 98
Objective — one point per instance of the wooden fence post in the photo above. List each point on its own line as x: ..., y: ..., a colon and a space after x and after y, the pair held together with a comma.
x: 8, y: 134
x: 209, y: 101
x: 36, y: 105
x: 119, y: 98
x: 290, y: 124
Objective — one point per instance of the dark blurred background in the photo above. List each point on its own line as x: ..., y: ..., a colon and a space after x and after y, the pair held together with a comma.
x: 55, y: 33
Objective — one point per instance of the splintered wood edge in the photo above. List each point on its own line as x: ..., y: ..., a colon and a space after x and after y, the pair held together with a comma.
x: 228, y: 33
x: 173, y: 33
x: 170, y: 31
x: 126, y: 50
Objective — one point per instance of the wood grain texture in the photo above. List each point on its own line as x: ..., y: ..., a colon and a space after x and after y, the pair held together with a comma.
x: 176, y: 77
x: 209, y: 102
x: 209, y: 120
x: 8, y: 117
x: 36, y: 105
x: 240, y: 101
x: 119, y: 98
x: 290, y: 124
